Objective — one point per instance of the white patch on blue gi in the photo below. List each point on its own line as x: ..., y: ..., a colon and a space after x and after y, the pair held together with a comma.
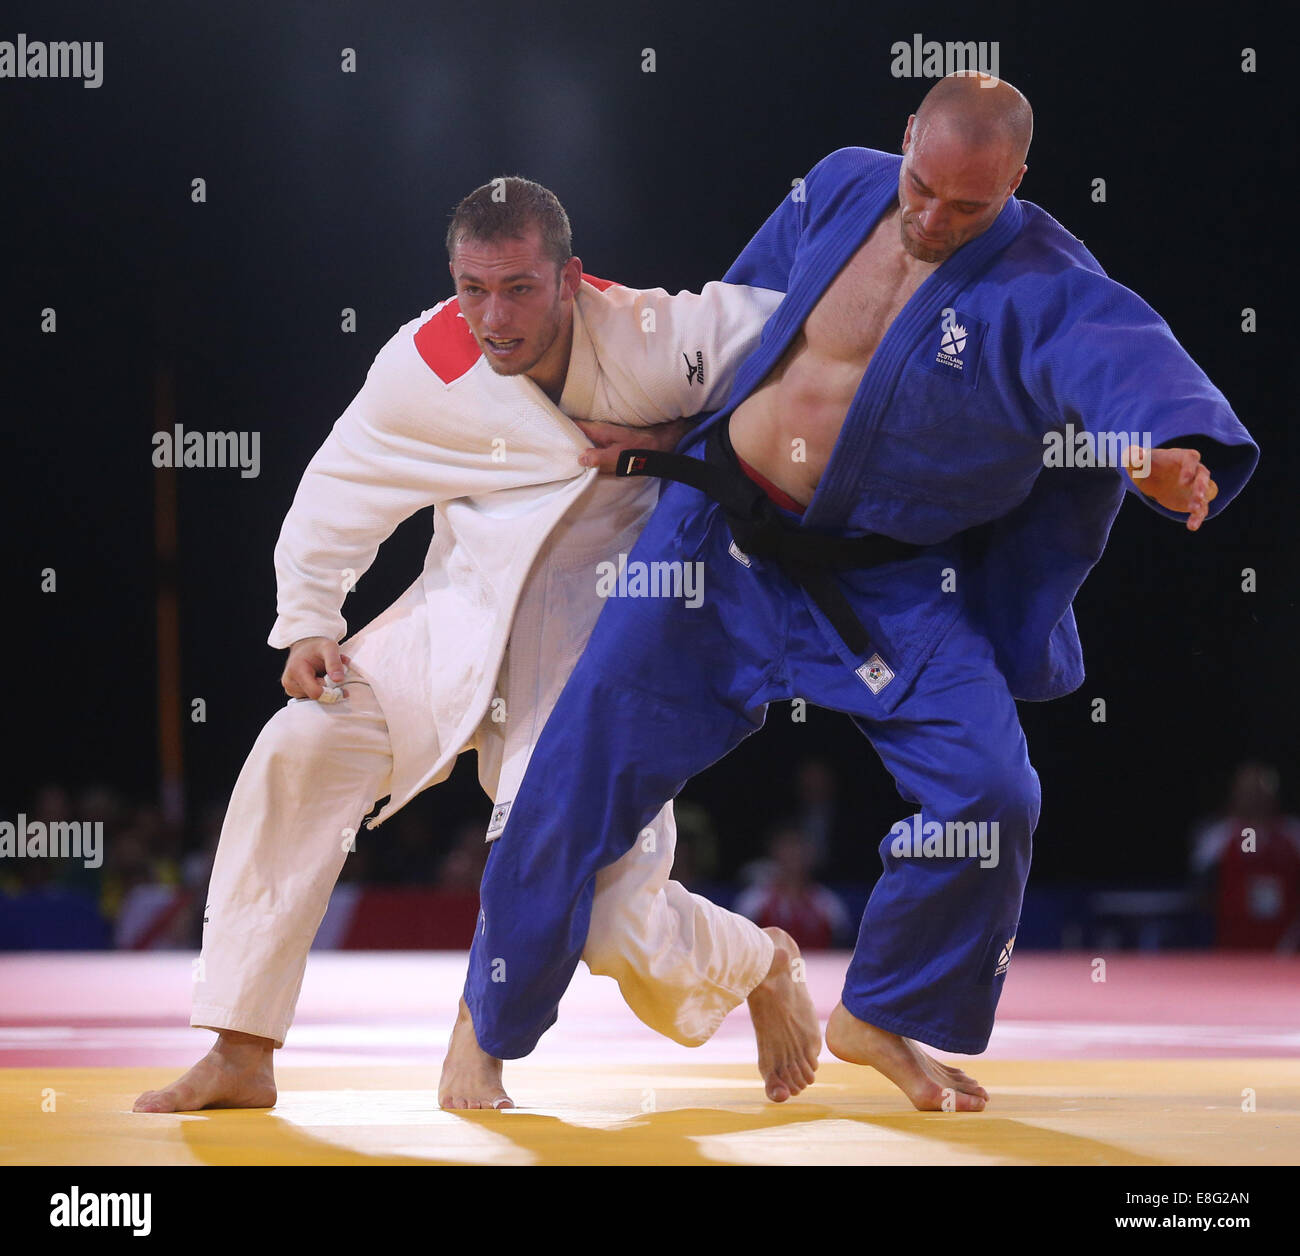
x: 498, y: 822
x: 875, y: 673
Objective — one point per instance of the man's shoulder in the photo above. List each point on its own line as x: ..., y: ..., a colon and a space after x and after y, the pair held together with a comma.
x: 604, y: 304
x: 854, y: 165
x: 604, y: 294
x: 1046, y: 267
x: 1045, y: 248
x: 437, y: 342
x: 610, y: 308
x: 604, y: 286
x: 855, y: 159
x: 443, y: 340
x: 848, y: 183
x: 444, y: 314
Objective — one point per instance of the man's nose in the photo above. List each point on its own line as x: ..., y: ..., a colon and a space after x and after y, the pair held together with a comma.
x: 494, y: 312
x: 934, y: 220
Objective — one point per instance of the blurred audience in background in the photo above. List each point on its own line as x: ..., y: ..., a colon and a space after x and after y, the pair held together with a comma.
x: 696, y: 858
x: 843, y: 848
x: 784, y: 894
x: 461, y: 868
x: 818, y: 813
x: 414, y: 881
x: 1247, y: 864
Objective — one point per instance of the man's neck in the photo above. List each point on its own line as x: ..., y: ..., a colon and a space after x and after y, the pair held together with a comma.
x: 551, y: 372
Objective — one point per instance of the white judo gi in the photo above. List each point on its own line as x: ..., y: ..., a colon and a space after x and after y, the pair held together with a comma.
x: 502, y: 610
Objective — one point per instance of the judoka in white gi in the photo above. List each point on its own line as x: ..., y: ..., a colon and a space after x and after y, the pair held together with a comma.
x: 470, y: 409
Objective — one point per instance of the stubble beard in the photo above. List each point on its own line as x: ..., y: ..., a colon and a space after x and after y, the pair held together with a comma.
x: 914, y: 248
x: 546, y: 337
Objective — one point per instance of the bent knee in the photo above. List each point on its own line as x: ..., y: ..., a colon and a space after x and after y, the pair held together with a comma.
x: 1007, y: 791
x: 306, y: 734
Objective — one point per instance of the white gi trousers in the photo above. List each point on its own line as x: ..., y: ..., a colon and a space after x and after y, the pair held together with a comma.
x: 682, y: 962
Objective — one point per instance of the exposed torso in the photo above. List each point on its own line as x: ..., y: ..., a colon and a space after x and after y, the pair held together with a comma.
x: 788, y: 426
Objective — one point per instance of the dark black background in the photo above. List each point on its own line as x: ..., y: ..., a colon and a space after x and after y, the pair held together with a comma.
x: 328, y: 190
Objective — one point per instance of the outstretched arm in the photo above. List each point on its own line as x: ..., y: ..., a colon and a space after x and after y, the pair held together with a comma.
x: 1099, y: 358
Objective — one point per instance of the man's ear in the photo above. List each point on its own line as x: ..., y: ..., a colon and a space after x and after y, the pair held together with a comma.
x: 451, y: 267
x: 1015, y: 183
x: 570, y: 278
x: 907, y: 135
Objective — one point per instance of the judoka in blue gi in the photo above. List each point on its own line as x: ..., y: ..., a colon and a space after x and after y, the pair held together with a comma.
x: 938, y: 340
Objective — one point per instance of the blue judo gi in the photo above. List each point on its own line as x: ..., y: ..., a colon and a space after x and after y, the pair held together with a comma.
x: 1017, y: 335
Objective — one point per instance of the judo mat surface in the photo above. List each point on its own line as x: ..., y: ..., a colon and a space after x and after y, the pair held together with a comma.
x: 1189, y: 1059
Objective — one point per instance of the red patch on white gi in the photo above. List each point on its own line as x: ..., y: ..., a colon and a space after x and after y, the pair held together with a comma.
x: 446, y: 343
x: 448, y: 346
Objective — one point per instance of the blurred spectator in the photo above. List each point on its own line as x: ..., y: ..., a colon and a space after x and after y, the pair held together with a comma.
x: 196, y: 868
x: 785, y: 895
x: 142, y: 891
x: 841, y: 850
x: 695, y: 857
x: 51, y: 804
x: 818, y: 807
x: 1249, y: 862
x: 406, y: 850
x: 100, y: 802
x: 142, y: 852
x: 462, y: 867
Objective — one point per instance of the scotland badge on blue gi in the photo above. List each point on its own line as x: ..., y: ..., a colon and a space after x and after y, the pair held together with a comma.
x: 956, y: 347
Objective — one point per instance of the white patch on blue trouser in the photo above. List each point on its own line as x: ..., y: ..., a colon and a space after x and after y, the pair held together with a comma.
x: 663, y: 691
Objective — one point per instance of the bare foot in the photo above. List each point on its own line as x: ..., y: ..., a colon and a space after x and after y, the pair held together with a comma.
x: 785, y: 1023
x: 470, y: 1077
x: 930, y: 1085
x: 237, y: 1073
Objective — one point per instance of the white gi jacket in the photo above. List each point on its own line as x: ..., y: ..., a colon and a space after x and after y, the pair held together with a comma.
x: 433, y: 425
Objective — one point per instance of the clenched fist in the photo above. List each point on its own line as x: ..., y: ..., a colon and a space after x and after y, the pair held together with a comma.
x: 308, y: 660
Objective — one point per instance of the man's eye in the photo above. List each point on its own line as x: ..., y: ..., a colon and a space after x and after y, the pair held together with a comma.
x: 521, y: 288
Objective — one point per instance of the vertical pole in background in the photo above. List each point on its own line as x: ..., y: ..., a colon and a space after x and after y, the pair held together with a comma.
x: 171, y: 780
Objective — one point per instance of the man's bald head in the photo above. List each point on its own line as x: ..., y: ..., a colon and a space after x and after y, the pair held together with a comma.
x: 963, y: 156
x: 981, y: 113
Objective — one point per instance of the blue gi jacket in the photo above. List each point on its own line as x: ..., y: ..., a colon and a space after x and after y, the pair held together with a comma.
x: 943, y: 443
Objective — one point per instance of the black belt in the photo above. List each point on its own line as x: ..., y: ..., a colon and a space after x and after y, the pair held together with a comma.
x: 808, y: 558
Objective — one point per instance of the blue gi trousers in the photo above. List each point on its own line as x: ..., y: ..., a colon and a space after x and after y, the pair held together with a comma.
x: 665, y: 689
